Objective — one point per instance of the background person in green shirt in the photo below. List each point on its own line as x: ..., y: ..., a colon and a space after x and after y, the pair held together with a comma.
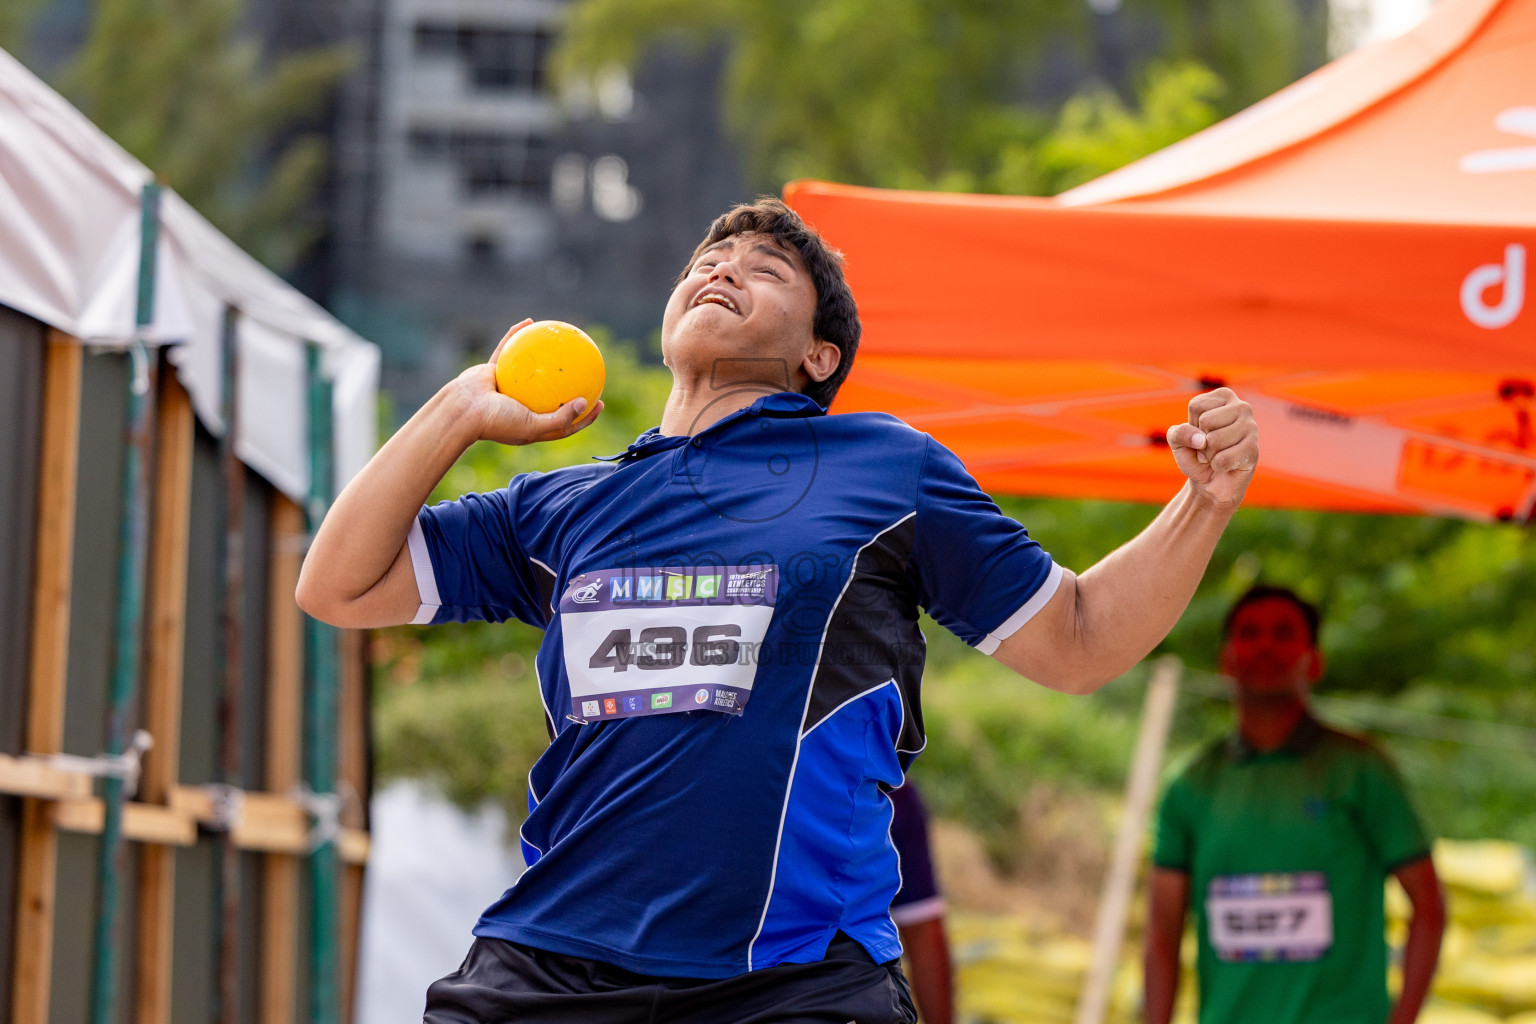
x: 1279, y: 838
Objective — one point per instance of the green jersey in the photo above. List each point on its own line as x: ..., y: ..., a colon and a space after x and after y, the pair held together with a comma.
x: 1286, y: 853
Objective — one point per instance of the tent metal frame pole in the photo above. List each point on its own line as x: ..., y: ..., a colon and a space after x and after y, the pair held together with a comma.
x: 320, y: 745
x: 128, y: 632
x: 226, y: 995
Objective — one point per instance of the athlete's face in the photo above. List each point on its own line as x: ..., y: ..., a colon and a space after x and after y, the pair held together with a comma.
x: 746, y: 298
x: 1269, y: 652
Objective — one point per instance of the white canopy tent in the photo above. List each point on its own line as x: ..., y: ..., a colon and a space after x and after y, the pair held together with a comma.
x: 69, y: 257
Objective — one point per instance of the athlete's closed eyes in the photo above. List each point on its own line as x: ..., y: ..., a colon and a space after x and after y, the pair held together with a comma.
x: 766, y: 268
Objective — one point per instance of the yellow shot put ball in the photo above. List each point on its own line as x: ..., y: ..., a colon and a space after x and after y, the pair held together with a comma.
x: 549, y: 363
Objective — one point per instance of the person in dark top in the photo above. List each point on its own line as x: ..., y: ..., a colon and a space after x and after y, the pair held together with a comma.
x: 918, y: 909
x: 1278, y: 838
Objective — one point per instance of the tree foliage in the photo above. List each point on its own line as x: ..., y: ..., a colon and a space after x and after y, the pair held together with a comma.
x: 15, y: 18
x: 1254, y: 46
x: 173, y: 82
x: 950, y: 94
x: 1096, y: 132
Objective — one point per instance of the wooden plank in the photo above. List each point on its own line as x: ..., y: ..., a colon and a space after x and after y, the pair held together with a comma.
x: 37, y: 867
x: 266, y: 822
x: 142, y: 823
x: 168, y: 591
x: 269, y: 810
x: 55, y: 545
x: 353, y: 846
x: 157, y: 890
x: 285, y: 691
x: 279, y: 920
x: 352, y: 701
x: 285, y: 681
x: 163, y: 680
x: 272, y: 828
x: 151, y: 823
x: 36, y: 888
x: 31, y: 777
x: 352, y: 876
x: 1120, y: 880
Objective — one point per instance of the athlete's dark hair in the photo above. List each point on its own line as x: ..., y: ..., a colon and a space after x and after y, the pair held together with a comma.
x: 1264, y: 592
x: 837, y: 317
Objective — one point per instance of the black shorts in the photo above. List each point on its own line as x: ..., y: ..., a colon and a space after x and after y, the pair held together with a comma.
x: 503, y: 982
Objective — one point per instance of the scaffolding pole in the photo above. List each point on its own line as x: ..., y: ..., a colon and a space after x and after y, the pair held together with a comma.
x: 320, y: 717
x: 1120, y: 880
x: 232, y: 613
x: 128, y: 630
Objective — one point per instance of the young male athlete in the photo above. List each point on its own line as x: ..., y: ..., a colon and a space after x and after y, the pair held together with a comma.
x: 1279, y: 838
x: 731, y: 656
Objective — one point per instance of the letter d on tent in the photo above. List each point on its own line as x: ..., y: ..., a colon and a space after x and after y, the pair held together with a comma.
x: 1511, y: 274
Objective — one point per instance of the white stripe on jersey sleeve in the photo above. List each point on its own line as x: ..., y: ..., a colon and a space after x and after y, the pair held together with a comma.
x: 426, y: 579
x: 1015, y: 622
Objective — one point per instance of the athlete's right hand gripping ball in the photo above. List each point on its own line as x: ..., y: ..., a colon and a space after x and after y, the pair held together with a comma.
x: 548, y: 363
x: 1218, y: 449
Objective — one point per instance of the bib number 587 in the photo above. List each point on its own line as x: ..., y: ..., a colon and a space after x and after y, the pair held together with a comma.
x: 1270, y: 921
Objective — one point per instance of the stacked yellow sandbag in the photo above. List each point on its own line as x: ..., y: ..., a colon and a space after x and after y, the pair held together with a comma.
x: 1451, y: 1013
x: 1485, y: 867
x: 1008, y: 971
x: 1008, y: 974
x: 1488, y: 958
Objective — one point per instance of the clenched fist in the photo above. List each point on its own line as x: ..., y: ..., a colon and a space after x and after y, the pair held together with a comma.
x: 1218, y: 449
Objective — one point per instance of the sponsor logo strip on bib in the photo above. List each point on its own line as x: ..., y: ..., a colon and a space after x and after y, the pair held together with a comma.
x: 657, y: 641
x: 1283, y: 917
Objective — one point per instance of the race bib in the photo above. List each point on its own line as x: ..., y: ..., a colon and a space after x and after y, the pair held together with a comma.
x: 657, y: 641
x: 1287, y: 917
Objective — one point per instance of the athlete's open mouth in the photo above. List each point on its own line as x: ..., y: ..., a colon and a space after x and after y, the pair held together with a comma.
x: 718, y: 298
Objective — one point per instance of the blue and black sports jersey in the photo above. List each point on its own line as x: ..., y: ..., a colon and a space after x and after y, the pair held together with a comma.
x: 730, y: 670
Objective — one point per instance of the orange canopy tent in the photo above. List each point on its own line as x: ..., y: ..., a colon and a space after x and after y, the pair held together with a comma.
x: 1350, y: 255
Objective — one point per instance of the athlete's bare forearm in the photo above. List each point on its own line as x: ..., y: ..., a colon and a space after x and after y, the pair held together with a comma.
x: 1128, y: 602
x: 357, y: 572
x: 1169, y: 894
x: 931, y: 972
x: 1421, y: 953
x: 1098, y: 625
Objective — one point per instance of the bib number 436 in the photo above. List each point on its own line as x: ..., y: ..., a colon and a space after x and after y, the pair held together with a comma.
x: 667, y: 647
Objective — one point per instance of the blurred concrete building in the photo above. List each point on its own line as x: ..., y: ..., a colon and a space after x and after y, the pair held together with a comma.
x: 467, y: 194
x: 463, y: 194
